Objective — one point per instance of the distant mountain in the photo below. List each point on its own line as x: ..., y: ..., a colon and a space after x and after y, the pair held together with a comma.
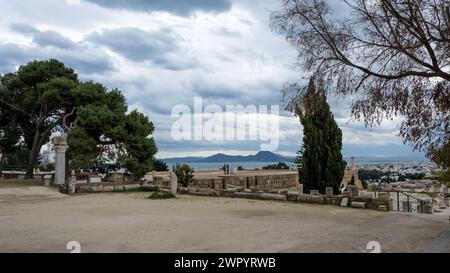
x: 273, y: 157
x: 175, y: 160
x: 223, y: 158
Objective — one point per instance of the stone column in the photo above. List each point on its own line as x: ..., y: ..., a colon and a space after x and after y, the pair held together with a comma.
x: 72, y: 183
x: 173, y: 183
x: 300, y: 189
x: 60, y: 147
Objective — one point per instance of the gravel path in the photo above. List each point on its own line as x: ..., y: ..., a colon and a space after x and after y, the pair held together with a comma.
x: 127, y: 222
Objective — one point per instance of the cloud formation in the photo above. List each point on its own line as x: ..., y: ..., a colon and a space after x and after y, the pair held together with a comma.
x: 139, y: 45
x: 179, y: 7
x: 164, y: 53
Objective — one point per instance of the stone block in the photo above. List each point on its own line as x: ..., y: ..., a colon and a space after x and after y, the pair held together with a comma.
x: 406, y: 207
x: 149, y: 187
x: 369, y: 195
x: 48, y: 180
x: 183, y: 190
x: 94, y: 179
x: 332, y: 200
x: 359, y: 205
x: 231, y: 190
x: 215, y: 193
x: 228, y: 194
x: 308, y: 198
x: 199, y: 193
x: 108, y: 188
x: 292, y: 196
x: 148, y: 178
x: 119, y: 188
x: 329, y: 190
x: 276, y: 197
x: 91, y: 188
x: 428, y: 207
x: 132, y: 187
x: 383, y: 196
x: 344, y: 202
x: 374, y: 204
x: 247, y: 195
x: 173, y: 183
x: 382, y: 208
x: 82, y: 188
x: 204, y: 190
x: 347, y: 194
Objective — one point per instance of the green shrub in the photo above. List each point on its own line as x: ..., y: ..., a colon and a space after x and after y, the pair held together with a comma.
x: 161, y: 195
x: 185, y: 174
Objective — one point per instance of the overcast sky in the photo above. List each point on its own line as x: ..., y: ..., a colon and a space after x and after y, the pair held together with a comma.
x: 161, y: 53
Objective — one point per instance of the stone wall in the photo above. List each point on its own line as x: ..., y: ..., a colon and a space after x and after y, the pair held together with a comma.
x: 267, y: 181
x: 208, y: 182
x: 104, y: 187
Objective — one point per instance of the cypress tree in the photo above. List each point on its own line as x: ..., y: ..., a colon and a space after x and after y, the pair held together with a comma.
x: 319, y: 160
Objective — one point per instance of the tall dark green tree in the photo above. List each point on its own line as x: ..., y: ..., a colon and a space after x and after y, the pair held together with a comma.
x: 160, y: 166
x: 105, y: 134
x: 45, y: 97
x: 320, y: 159
x: 38, y: 97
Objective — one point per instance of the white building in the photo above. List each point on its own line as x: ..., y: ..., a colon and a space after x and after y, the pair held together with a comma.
x: 48, y: 155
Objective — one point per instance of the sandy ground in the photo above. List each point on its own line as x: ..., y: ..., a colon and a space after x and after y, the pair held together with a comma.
x: 7, y: 184
x: 127, y: 222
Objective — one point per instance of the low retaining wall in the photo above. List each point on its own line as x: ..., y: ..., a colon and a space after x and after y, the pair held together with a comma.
x: 380, y: 203
x: 104, y: 187
x: 374, y: 203
x: 262, y: 182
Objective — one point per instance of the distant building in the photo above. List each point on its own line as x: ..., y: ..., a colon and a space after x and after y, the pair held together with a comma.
x: 48, y: 155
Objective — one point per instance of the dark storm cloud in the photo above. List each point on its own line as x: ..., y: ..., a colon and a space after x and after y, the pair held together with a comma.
x: 139, y: 45
x: 53, y: 38
x: 179, y: 7
x: 23, y: 28
x: 132, y: 43
x: 82, y: 60
x: 44, y: 38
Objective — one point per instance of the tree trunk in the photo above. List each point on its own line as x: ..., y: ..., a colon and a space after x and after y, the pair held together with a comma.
x: 38, y: 142
x: 32, y: 162
x: 32, y: 156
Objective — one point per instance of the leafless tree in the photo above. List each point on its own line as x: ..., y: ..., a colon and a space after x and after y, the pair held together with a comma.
x: 391, y: 57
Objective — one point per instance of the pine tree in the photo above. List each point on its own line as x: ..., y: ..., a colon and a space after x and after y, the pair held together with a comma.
x: 320, y: 157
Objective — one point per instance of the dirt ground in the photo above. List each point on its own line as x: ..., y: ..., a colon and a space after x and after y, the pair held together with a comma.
x: 127, y: 222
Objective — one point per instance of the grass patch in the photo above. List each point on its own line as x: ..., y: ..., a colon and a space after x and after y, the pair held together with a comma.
x: 161, y: 195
